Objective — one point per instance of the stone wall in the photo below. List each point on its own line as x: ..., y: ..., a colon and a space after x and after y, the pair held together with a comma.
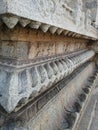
x: 47, y: 63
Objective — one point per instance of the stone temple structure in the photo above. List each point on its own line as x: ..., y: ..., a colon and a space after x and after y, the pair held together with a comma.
x: 48, y: 63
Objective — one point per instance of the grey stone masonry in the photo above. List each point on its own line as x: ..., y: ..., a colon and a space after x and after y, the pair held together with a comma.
x: 47, y: 68
x: 89, y: 120
x: 18, y: 83
x: 55, y: 16
x: 57, y: 101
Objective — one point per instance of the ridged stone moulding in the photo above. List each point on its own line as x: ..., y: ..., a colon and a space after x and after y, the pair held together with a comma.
x: 49, y: 15
x: 21, y: 82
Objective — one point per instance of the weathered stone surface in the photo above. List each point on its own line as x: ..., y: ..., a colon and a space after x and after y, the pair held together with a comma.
x: 50, y: 13
x: 21, y: 83
x: 89, y: 117
x: 10, y: 21
x: 30, y: 50
x: 63, y: 99
x: 55, y: 108
x: 95, y: 47
x: 39, y: 61
x: 11, y: 50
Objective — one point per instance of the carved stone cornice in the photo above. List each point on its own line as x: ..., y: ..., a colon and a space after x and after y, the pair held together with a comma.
x: 11, y: 21
x: 30, y: 110
x: 22, y: 82
x: 49, y: 16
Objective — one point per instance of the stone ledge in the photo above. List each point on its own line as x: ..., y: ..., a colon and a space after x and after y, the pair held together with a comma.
x: 17, y: 63
x: 18, y: 85
x: 67, y: 98
x: 37, y: 15
x: 55, y: 107
x: 34, y: 106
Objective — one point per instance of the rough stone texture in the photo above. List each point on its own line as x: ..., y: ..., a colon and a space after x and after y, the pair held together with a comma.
x: 17, y: 84
x: 54, y: 109
x: 18, y: 50
x: 56, y: 106
x: 37, y: 37
x: 30, y: 50
x: 95, y: 46
x: 48, y: 12
x: 89, y: 120
x: 37, y: 57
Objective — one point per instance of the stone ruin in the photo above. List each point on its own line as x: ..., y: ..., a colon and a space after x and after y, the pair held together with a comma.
x: 48, y: 63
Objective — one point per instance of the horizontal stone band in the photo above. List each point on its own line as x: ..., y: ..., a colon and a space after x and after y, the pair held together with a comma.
x: 49, y: 15
x: 19, y: 86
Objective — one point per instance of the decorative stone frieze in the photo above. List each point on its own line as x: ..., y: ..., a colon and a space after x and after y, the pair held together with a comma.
x: 12, y: 21
x: 22, y: 81
x: 49, y: 16
x: 30, y: 110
